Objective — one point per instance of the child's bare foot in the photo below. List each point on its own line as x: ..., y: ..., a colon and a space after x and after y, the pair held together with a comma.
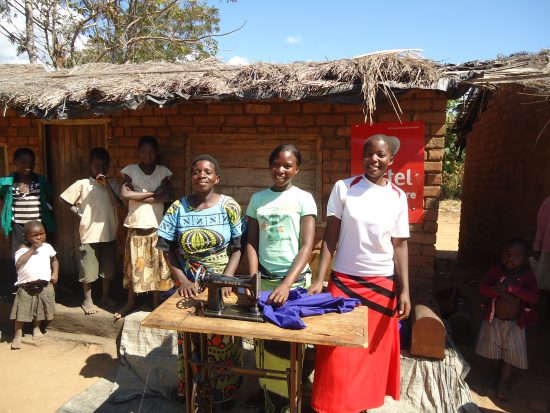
x: 123, y: 311
x: 489, y: 387
x: 18, y: 336
x: 16, y: 343
x: 36, y: 333
x: 88, y: 307
x: 504, y: 391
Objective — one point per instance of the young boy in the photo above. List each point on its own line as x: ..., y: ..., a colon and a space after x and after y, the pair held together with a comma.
x: 94, y: 201
x: 512, y: 289
x: 25, y: 197
x: 37, y: 269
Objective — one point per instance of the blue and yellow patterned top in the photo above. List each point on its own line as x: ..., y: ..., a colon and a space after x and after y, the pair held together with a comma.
x: 202, y: 237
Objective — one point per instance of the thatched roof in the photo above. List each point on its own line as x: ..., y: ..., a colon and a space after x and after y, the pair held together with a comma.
x: 531, y: 70
x: 101, y: 88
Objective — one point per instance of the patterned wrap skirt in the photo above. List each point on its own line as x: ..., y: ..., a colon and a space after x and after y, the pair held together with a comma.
x: 144, y: 266
x: 347, y: 379
x: 226, y: 350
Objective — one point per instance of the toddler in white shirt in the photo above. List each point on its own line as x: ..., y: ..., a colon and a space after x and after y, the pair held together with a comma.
x: 37, y: 270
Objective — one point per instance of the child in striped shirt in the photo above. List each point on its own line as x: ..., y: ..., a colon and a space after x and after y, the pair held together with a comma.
x: 25, y: 196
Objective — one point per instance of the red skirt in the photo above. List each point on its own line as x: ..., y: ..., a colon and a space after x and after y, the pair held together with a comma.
x: 347, y: 379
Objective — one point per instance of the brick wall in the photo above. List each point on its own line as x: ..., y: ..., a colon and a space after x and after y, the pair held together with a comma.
x: 331, y: 122
x: 506, y: 175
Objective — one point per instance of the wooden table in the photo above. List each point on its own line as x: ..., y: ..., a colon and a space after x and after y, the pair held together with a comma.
x: 184, y: 314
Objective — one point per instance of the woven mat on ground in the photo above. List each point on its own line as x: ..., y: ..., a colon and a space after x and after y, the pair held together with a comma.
x: 145, y: 380
x: 433, y: 386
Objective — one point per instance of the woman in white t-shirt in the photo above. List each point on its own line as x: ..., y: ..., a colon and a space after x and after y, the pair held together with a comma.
x: 368, y: 220
x: 146, y: 187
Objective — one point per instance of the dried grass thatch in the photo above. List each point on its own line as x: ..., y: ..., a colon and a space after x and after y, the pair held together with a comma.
x: 32, y: 89
x: 531, y: 70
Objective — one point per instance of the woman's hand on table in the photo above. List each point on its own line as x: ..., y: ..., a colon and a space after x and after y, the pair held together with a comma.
x: 279, y: 295
x: 226, y: 292
x: 315, y: 288
x: 187, y: 289
x: 403, y: 305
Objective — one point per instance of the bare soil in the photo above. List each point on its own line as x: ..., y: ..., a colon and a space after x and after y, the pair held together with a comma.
x: 46, y: 373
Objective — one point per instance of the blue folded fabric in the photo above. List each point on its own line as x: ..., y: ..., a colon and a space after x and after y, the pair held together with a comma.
x: 300, y: 304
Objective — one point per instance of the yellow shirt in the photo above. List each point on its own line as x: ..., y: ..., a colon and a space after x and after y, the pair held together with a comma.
x: 98, y: 216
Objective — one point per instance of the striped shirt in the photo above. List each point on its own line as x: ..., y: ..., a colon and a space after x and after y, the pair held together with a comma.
x: 26, y: 205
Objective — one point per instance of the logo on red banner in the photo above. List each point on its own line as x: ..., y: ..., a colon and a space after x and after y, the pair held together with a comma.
x: 407, y: 170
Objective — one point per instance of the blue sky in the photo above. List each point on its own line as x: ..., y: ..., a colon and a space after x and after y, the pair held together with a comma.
x: 284, y: 31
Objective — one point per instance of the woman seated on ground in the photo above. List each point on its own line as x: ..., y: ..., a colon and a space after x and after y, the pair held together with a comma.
x: 205, y: 229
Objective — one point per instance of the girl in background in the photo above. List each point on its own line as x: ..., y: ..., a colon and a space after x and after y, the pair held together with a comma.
x: 146, y: 187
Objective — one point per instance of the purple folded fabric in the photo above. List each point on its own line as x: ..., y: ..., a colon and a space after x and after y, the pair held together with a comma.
x: 300, y: 304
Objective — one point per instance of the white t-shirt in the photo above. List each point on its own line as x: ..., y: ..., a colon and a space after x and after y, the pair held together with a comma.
x: 38, y: 267
x: 371, y: 216
x: 98, y: 216
x: 140, y: 214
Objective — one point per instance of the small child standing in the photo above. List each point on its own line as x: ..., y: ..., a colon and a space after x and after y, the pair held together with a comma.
x: 94, y: 201
x: 25, y: 197
x: 512, y: 289
x: 37, y: 268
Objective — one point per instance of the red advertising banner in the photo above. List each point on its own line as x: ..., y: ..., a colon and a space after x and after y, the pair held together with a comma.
x: 407, y: 170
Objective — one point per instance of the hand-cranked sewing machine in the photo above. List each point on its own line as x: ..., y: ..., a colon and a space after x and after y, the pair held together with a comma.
x: 215, y: 306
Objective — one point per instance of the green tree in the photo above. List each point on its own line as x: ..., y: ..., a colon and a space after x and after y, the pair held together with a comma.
x: 453, y: 164
x: 141, y: 30
x: 70, y: 32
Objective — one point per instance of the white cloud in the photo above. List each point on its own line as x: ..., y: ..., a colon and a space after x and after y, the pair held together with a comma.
x: 238, y: 61
x: 293, y: 39
x: 8, y: 53
x: 191, y: 57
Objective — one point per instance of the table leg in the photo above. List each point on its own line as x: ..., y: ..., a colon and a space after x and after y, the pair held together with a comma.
x: 299, y: 368
x: 187, y: 372
x: 292, y: 390
x: 206, y: 393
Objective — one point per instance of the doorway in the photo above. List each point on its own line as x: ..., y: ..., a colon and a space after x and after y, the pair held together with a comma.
x: 66, y: 147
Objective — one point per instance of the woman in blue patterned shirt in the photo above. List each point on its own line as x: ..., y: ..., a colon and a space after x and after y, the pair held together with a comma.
x: 205, y: 229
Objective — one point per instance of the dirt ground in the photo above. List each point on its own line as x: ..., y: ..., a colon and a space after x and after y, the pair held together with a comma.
x: 46, y: 373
